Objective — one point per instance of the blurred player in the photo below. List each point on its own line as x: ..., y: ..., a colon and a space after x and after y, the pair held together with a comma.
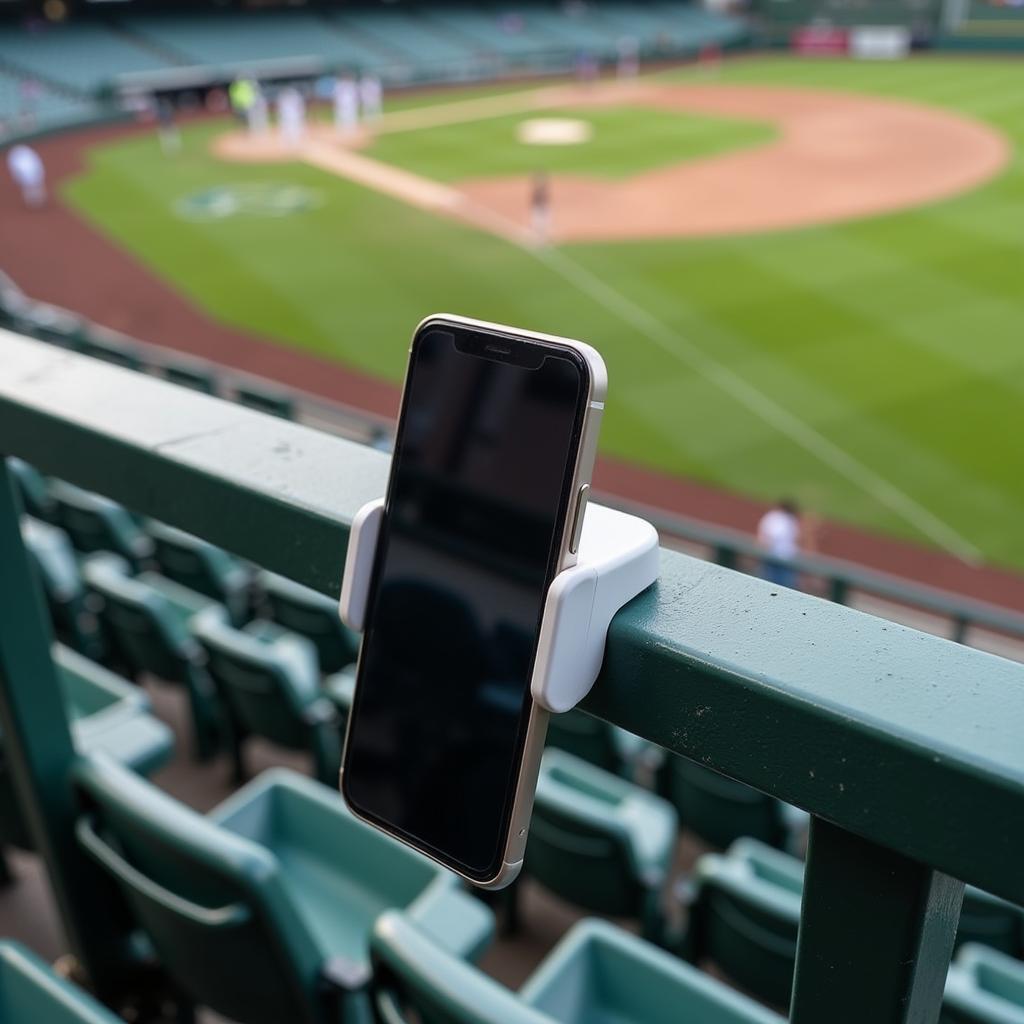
x: 710, y: 58
x: 166, y: 128
x: 346, y: 104
x: 29, y: 174
x: 540, y: 206
x: 629, y: 57
x: 291, y: 115
x: 241, y: 93
x: 258, y: 117
x: 779, y: 533
x: 371, y: 95
x: 588, y: 68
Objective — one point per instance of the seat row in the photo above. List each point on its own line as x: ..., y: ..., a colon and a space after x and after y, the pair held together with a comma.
x: 255, y: 653
x: 279, y: 905
x: 66, y: 330
x: 598, y: 840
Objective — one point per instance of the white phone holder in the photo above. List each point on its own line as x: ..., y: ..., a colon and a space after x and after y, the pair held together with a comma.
x: 617, y: 559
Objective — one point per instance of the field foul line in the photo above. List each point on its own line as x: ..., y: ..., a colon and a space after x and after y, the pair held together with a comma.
x: 759, y: 403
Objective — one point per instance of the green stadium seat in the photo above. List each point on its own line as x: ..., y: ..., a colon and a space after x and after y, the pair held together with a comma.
x: 993, y: 922
x: 312, y: 615
x: 597, y: 974
x: 720, y: 810
x: 36, y: 499
x: 204, y: 568
x: 110, y: 351
x: 31, y: 993
x: 984, y: 987
x: 744, y: 917
x: 147, y: 619
x: 262, y: 910
x: 604, y: 745
x: 189, y: 377
x: 601, y: 842
x: 74, y: 618
x: 94, y: 523
x: 269, y: 681
x: 48, y: 323
x: 266, y: 401
x: 106, y: 713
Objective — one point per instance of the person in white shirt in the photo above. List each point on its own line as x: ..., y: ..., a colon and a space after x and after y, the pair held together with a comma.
x: 346, y: 105
x: 29, y: 174
x: 779, y: 533
x: 291, y: 115
x: 257, y: 117
x: 371, y: 95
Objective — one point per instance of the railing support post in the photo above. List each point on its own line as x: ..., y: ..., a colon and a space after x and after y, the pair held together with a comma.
x: 876, y: 934
x: 39, y: 751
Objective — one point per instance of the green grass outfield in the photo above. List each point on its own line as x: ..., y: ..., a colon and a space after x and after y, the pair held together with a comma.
x: 875, y: 369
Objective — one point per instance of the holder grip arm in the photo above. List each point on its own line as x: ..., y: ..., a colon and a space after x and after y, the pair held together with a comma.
x: 363, y: 536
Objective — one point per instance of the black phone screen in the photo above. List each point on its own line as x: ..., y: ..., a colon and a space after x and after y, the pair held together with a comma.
x: 477, y: 501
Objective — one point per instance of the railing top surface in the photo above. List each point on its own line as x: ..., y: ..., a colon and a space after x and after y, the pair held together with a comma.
x: 907, y: 739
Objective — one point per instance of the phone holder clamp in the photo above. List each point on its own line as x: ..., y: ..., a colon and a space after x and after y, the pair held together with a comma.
x: 617, y: 559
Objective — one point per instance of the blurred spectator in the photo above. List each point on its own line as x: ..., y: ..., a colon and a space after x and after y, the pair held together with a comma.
x: 30, y: 91
x: 540, y: 206
x: 345, y: 93
x: 29, y: 174
x: 167, y: 128
x: 291, y: 115
x: 629, y: 57
x: 371, y: 94
x: 241, y: 93
x: 779, y: 532
x: 588, y: 68
x: 258, y: 119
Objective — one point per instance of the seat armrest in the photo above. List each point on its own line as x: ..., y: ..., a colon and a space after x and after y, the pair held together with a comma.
x: 339, y: 974
x: 457, y: 922
x: 321, y: 712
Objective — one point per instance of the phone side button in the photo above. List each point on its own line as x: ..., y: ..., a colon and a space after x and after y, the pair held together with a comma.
x: 577, y: 524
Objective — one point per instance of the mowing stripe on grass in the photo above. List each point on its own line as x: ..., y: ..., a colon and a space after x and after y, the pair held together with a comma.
x: 760, y: 404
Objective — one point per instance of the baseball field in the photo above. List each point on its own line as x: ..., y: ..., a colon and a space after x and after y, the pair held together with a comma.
x: 806, y: 277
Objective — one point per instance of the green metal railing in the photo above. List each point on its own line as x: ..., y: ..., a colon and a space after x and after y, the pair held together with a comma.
x: 839, y: 580
x: 907, y: 749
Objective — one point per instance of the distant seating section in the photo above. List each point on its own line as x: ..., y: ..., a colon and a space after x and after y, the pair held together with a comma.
x: 79, y: 56
x: 992, y: 19
x: 83, y: 58
x: 794, y: 13
x: 58, y: 327
x: 37, y: 106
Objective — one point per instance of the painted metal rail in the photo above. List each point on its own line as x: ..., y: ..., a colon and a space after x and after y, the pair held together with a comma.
x: 907, y: 749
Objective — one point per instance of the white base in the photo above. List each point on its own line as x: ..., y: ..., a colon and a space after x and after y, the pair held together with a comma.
x: 618, y: 558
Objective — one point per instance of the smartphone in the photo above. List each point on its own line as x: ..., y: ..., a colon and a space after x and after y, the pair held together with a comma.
x: 493, y: 457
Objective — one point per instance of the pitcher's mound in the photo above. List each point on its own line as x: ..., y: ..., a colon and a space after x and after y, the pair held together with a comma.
x: 554, y: 131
